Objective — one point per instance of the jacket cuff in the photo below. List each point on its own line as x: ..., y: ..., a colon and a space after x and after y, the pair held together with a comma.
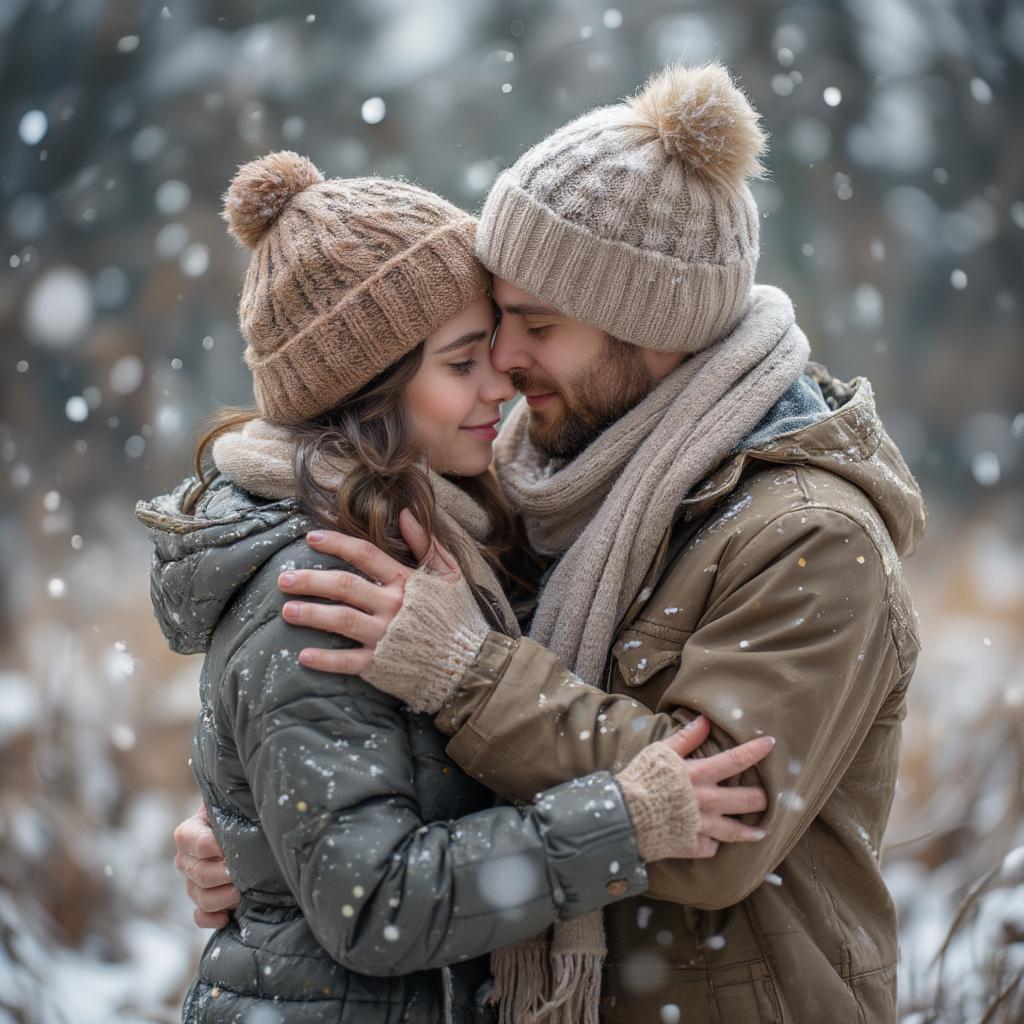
x: 430, y: 643
x: 657, y: 790
x: 476, y: 683
x: 591, y: 843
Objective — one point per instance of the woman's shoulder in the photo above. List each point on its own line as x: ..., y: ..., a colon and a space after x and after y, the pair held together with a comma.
x: 223, y: 497
x: 206, y: 553
x: 260, y: 644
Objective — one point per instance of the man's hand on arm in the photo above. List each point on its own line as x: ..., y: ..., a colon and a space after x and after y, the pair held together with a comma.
x: 201, y: 861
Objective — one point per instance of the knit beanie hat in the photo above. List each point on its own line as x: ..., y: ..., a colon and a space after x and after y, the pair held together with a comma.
x: 347, y: 276
x: 637, y: 218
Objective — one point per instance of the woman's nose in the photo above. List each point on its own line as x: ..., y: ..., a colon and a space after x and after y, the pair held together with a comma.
x: 498, y: 387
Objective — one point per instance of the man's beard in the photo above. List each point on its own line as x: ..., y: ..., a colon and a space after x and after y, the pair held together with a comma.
x: 596, y: 397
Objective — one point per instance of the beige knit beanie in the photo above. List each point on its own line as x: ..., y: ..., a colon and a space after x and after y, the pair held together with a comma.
x: 637, y: 217
x: 346, y: 276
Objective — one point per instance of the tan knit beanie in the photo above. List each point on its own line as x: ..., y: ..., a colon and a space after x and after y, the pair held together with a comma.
x: 347, y: 275
x: 637, y: 217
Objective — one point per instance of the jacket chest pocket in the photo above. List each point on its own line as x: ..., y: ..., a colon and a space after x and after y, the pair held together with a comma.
x: 640, y: 658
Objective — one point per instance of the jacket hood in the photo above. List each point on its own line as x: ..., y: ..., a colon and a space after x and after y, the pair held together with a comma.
x: 847, y: 439
x: 201, y: 561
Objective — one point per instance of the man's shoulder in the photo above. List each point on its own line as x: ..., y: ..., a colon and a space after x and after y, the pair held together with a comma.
x: 773, y: 510
x: 788, y: 535
x: 770, y: 492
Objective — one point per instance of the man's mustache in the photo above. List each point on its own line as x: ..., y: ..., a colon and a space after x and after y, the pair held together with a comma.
x: 531, y: 385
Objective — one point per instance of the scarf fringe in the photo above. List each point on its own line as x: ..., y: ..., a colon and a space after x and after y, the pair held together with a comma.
x: 577, y: 994
x: 522, y: 977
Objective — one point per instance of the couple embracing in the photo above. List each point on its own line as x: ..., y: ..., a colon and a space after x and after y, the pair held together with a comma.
x: 592, y: 718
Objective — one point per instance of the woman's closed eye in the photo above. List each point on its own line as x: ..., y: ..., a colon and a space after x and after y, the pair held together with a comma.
x: 464, y: 368
x: 537, y: 332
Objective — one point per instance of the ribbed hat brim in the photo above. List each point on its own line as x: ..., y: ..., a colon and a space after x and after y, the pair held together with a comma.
x: 382, y: 319
x: 636, y: 295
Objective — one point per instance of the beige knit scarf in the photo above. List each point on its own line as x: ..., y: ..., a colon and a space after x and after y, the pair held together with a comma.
x: 606, y: 512
x: 259, y: 458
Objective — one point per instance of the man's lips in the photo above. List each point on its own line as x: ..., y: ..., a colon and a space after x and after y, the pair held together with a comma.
x: 533, y: 401
x: 485, y: 431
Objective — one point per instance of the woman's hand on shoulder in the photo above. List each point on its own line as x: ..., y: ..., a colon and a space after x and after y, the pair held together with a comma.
x: 359, y: 608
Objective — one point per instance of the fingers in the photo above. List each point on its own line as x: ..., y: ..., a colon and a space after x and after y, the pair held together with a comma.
x: 706, y: 846
x: 729, y: 830
x: 415, y: 536
x: 220, y: 897
x: 733, y: 761
x: 366, y: 557
x: 201, y: 861
x: 335, y: 618
x: 207, y: 873
x: 205, y: 920
x: 690, y: 737
x: 426, y: 549
x: 352, y: 661
x: 345, y: 587
x: 194, y: 838
x: 734, y: 800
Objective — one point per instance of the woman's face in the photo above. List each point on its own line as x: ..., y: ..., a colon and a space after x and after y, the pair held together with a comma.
x: 453, y: 401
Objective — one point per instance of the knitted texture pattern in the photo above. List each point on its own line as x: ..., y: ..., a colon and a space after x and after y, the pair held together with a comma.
x: 658, y: 793
x: 347, y: 275
x: 430, y: 643
x: 637, y: 218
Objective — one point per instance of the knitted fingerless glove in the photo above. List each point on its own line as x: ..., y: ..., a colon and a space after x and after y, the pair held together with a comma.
x: 430, y: 643
x: 661, y: 803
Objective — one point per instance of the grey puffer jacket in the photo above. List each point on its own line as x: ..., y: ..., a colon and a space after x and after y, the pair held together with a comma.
x: 374, y: 873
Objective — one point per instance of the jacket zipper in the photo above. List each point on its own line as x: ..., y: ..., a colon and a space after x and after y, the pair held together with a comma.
x: 446, y: 993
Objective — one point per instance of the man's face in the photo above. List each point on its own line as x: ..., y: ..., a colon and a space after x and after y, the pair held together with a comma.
x: 577, y: 380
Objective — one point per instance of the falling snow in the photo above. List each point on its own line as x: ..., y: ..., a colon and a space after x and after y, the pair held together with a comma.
x: 892, y: 211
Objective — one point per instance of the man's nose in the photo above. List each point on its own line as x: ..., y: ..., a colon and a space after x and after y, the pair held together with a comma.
x: 507, y: 352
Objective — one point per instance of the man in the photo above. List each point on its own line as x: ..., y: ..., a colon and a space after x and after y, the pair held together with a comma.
x: 726, y: 522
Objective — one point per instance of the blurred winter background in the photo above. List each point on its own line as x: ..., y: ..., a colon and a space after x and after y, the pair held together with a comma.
x: 894, y: 216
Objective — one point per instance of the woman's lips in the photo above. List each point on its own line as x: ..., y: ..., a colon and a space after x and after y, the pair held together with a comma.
x: 487, y: 432
x: 533, y: 401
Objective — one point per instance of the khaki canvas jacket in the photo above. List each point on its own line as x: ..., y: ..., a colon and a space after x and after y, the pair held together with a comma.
x: 777, y: 606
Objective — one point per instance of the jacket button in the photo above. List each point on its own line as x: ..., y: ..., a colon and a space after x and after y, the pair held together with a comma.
x: 617, y: 888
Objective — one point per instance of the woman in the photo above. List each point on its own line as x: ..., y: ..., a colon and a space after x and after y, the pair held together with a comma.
x: 374, y: 875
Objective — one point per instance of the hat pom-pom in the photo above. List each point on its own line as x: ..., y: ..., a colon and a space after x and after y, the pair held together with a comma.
x: 260, y: 191
x: 704, y: 120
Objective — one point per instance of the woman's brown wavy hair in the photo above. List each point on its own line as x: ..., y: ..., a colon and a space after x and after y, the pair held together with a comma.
x: 370, y: 430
